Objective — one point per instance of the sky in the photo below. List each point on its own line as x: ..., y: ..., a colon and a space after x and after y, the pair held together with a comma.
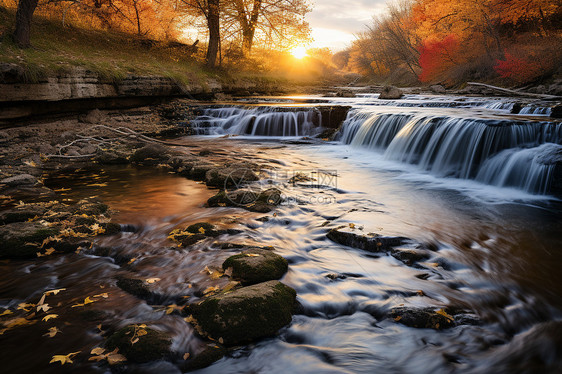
x: 334, y: 22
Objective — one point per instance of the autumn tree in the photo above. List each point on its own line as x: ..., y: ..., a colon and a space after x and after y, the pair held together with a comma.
x: 210, y: 10
x: 275, y: 21
x: 24, y: 15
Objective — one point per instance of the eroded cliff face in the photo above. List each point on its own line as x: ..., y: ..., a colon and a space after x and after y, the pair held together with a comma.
x: 80, y: 83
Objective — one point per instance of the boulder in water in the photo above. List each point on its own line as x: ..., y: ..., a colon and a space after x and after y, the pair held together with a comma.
x: 376, y: 243
x: 232, y: 176
x: 556, y: 111
x: 19, y: 180
x: 150, y: 154
x: 246, y: 314
x: 422, y: 318
x: 256, y: 265
x: 140, y: 344
x: 391, y: 93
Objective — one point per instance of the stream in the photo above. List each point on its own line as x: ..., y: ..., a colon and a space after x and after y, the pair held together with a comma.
x: 462, y: 175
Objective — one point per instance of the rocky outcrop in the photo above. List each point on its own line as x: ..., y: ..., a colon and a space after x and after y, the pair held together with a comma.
x: 376, y: 243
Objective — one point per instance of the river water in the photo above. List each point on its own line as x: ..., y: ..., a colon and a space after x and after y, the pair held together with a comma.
x: 422, y: 168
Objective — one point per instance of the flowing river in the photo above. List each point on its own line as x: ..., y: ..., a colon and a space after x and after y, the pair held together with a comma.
x: 462, y: 175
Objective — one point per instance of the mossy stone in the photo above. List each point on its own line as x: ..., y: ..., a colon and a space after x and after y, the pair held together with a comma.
x: 154, y: 345
x: 256, y: 265
x: 17, y: 239
x: 196, y: 228
x: 246, y: 314
x: 135, y: 287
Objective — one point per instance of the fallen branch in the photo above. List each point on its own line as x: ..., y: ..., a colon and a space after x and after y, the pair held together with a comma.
x: 516, y: 93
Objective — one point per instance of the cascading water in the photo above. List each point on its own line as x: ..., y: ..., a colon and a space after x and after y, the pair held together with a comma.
x: 496, y: 152
x: 259, y: 121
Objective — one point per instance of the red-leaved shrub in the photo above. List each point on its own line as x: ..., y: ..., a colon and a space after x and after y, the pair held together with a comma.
x: 436, y: 57
x: 517, y: 69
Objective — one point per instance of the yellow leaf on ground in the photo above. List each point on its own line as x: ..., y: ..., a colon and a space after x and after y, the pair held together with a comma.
x: 52, y: 332
x: 105, y: 295
x: 63, y: 359
x: 186, y: 356
x: 202, y: 230
x: 141, y: 332
x: 97, y: 351
x: 228, y: 272
x: 152, y: 280
x: 252, y: 255
x: 49, y: 316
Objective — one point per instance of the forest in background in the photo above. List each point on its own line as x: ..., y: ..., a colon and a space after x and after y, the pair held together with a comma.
x: 511, y: 42
x: 508, y: 42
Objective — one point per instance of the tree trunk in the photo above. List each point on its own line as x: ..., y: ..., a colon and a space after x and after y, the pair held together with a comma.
x: 24, y: 14
x: 213, y: 23
x: 249, y: 27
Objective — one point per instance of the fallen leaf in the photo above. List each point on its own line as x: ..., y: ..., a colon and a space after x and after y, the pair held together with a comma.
x: 352, y: 225
x: 445, y: 314
x: 97, y: 351
x: 202, y: 230
x: 221, y: 340
x: 228, y: 272
x: 54, y: 292
x: 211, y: 289
x: 186, y: 356
x: 131, y: 261
x: 398, y: 318
x: 63, y: 359
x: 105, y: 295
x: 152, y: 280
x: 52, y: 332
x: 6, y: 312
x: 49, y: 316
x: 141, y: 332
x: 252, y: 255
x: 172, y: 308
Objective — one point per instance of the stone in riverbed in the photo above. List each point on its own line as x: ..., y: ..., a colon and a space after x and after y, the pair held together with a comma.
x: 375, y: 243
x: 199, y: 170
x: 409, y: 256
x: 391, y: 93
x: 256, y: 265
x: 111, y: 157
x: 151, y: 345
x: 151, y: 154
x: 22, y: 239
x: 19, y: 180
x: 426, y: 318
x: 252, y: 200
x: 246, y: 314
x: 233, y: 176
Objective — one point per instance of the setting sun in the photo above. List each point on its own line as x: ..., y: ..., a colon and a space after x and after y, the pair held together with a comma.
x: 299, y: 52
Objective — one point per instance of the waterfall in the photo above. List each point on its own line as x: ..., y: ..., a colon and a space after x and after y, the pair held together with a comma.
x: 496, y: 152
x: 259, y: 121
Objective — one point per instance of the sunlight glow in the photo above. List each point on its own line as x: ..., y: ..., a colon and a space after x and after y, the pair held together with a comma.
x: 299, y: 52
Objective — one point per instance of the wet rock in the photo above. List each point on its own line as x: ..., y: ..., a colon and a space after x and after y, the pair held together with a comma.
x: 516, y: 108
x: 233, y: 176
x: 409, y: 256
x: 19, y: 180
x: 89, y: 207
x: 246, y: 314
x: 151, y: 345
x: 202, y: 228
x: 391, y: 93
x: 181, y: 164
x: 111, y: 157
x: 151, y: 154
x: 207, y: 357
x: 377, y: 243
x: 345, y: 93
x: 111, y: 228
x: 22, y: 239
x: 199, y: 170
x: 335, y: 277
x: 135, y: 287
x: 21, y: 215
x: 252, y: 200
x: 256, y: 265
x: 556, y: 111
x: 437, y: 88
x: 426, y: 318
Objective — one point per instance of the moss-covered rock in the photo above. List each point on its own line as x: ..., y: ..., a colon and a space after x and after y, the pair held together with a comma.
x: 150, y: 154
x: 422, y: 318
x: 21, y: 215
x: 256, y: 265
x: 151, y: 344
x: 211, y: 354
x: 202, y: 228
x: 22, y: 239
x: 232, y: 176
x: 246, y: 314
x: 254, y: 201
x: 199, y: 170
x: 135, y: 287
x: 111, y: 228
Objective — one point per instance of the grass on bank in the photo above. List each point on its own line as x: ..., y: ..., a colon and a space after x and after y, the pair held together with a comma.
x: 57, y: 48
